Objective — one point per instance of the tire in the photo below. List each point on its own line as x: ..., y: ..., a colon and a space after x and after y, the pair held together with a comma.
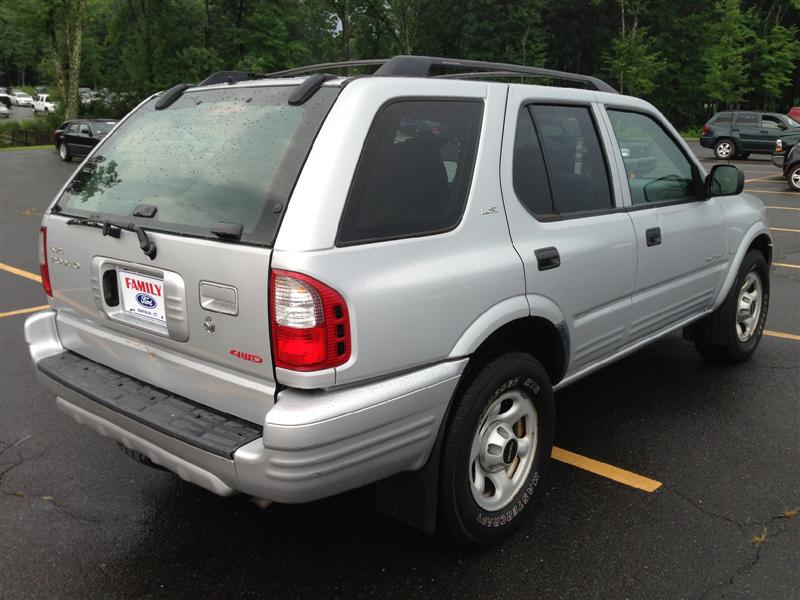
x: 738, y: 324
x: 505, y: 407
x: 794, y: 178
x: 63, y: 152
x: 724, y: 149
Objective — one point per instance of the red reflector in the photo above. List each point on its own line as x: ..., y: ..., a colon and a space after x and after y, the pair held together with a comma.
x: 44, y: 269
x: 310, y: 323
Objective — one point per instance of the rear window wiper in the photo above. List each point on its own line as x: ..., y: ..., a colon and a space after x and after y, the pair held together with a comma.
x: 113, y: 229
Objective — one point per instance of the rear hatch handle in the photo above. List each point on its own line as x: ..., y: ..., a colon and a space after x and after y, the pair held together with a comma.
x: 112, y: 228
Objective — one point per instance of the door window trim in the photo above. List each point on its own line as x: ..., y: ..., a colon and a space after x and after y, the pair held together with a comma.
x: 555, y: 217
x: 701, y: 197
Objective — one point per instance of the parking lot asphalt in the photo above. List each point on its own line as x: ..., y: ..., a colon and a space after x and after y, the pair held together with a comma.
x: 78, y: 519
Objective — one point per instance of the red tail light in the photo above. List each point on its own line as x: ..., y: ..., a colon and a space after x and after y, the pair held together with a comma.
x: 706, y: 129
x: 44, y: 270
x: 310, y: 323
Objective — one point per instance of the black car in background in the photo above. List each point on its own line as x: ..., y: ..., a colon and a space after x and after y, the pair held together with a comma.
x: 78, y: 137
x: 737, y: 134
x: 791, y: 167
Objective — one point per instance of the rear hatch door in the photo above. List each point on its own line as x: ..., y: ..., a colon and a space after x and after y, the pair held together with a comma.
x: 159, y: 247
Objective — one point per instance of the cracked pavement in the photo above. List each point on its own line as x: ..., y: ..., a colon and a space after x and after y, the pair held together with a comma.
x: 78, y: 519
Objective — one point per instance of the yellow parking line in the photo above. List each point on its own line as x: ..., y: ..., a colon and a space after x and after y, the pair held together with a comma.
x: 780, y: 334
x: 783, y: 207
x: 774, y: 177
x: 787, y: 265
x: 786, y: 229
x: 20, y: 272
x: 23, y: 311
x: 605, y: 470
x: 795, y: 194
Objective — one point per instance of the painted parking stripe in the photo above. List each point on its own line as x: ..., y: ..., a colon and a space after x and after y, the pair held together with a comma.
x: 24, y: 311
x: 795, y: 194
x: 767, y: 178
x: 784, y: 229
x: 605, y: 470
x: 20, y: 272
x: 783, y: 207
x: 786, y: 265
x: 782, y: 335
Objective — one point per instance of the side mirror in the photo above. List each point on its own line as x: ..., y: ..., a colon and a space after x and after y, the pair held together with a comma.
x: 724, y: 180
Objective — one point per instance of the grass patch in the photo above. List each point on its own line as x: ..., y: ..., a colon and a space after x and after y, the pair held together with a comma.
x: 13, y: 148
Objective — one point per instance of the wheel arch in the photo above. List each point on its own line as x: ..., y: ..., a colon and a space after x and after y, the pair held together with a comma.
x: 757, y: 237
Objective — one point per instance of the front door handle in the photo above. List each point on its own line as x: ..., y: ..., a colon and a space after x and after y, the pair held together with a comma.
x: 653, y: 236
x: 547, y: 258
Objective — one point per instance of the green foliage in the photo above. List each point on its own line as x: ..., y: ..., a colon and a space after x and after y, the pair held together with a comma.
x: 686, y: 57
x: 727, y: 73
x: 633, y: 64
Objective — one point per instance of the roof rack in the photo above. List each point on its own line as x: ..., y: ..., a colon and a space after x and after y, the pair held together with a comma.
x: 419, y: 66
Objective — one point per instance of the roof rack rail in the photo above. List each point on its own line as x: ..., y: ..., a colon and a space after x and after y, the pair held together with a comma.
x: 331, y: 65
x: 420, y: 66
x: 231, y: 77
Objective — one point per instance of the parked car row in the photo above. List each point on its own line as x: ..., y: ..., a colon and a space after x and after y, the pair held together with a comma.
x: 737, y: 134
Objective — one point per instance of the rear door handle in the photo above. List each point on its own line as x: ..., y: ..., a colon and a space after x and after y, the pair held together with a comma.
x: 547, y: 258
x: 653, y: 236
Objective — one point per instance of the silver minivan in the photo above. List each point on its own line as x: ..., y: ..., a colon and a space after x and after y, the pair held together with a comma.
x: 294, y: 284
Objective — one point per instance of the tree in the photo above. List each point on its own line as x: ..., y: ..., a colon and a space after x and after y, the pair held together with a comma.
x: 632, y: 62
x: 63, y: 24
x: 727, y: 72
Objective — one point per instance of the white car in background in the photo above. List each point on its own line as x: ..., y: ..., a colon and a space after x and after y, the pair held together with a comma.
x: 4, y: 112
x: 42, y: 103
x: 21, y: 99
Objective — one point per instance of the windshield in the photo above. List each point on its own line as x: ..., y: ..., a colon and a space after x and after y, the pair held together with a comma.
x: 792, y: 122
x: 227, y: 155
x: 103, y: 127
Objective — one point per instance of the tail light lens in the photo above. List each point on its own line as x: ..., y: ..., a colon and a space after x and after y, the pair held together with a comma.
x: 706, y: 129
x: 44, y: 270
x: 310, y: 323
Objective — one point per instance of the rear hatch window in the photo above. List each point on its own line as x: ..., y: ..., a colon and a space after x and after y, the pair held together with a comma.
x: 222, y: 155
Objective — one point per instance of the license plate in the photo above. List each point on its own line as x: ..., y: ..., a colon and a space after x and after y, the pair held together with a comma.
x: 143, y: 296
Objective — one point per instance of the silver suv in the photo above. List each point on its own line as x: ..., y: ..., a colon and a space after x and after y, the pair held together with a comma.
x: 292, y: 285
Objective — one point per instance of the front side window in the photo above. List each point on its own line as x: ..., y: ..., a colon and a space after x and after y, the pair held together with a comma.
x: 657, y: 169
x: 771, y: 122
x: 414, y: 173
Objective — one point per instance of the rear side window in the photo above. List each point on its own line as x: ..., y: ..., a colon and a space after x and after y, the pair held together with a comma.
x: 747, y: 120
x: 721, y: 119
x: 566, y: 139
x: 414, y: 173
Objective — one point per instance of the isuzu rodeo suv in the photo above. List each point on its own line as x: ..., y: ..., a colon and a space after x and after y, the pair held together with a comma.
x: 294, y: 284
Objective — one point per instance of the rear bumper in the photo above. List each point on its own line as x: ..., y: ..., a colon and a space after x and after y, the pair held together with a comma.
x: 314, y: 443
x: 707, y: 142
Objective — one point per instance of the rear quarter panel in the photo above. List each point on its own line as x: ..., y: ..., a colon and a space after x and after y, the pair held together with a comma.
x: 410, y: 300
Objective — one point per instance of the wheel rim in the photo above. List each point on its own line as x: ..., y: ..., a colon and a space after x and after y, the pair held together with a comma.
x: 748, y: 309
x: 503, y: 449
x: 62, y: 151
x: 724, y: 149
x: 795, y: 179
